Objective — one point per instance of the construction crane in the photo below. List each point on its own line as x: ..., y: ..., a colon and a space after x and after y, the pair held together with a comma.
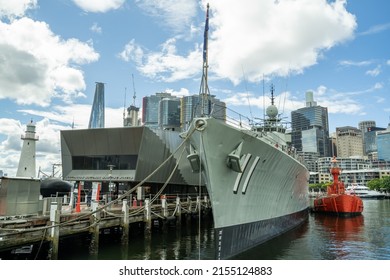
x: 134, y: 94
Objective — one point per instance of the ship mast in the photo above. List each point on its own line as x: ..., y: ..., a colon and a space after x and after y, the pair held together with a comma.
x: 204, y: 89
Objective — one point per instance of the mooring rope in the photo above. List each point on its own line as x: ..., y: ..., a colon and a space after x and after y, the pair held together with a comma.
x: 82, y: 216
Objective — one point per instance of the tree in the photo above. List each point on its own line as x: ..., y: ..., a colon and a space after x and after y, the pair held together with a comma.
x: 319, y: 187
x: 375, y: 184
x: 386, y: 183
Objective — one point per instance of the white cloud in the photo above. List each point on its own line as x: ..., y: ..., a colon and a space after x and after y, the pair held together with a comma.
x: 47, y: 148
x: 37, y: 65
x: 177, y: 15
x: 376, y: 29
x: 355, y: 63
x: 274, y: 38
x: 263, y: 37
x: 345, y: 103
x: 48, y: 129
x: 180, y: 93
x: 96, y: 28
x: 166, y: 65
x: 99, y: 6
x: 132, y: 52
x: 374, y: 72
x: 16, y: 8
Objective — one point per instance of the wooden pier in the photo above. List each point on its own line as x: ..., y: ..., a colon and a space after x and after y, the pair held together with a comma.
x: 63, y: 221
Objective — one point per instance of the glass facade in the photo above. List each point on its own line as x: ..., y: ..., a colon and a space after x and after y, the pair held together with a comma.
x: 313, y: 118
x: 169, y: 113
x: 121, y: 162
x: 96, y: 119
x: 150, y: 108
x: 383, y: 144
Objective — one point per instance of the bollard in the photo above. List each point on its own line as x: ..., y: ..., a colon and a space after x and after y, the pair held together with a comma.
x: 164, y: 205
x: 178, y: 210
x: 198, y: 204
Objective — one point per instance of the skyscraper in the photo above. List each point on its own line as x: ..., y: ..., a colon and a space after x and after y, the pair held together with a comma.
x: 383, y: 144
x: 96, y: 119
x: 364, y: 126
x: 169, y: 113
x: 310, y: 128
x: 150, y: 107
x: 191, y: 107
x: 370, y: 141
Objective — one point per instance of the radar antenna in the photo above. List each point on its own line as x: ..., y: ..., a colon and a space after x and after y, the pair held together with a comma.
x: 272, y: 95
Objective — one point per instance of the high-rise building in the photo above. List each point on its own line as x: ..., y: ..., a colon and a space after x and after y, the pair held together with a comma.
x: 26, y: 166
x: 383, y: 144
x: 364, y: 126
x: 96, y: 120
x: 169, y: 113
x: 349, y: 142
x: 310, y: 128
x: 132, y: 116
x: 369, y: 141
x: 150, y: 107
x: 191, y: 107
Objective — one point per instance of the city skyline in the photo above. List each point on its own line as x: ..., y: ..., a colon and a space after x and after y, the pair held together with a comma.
x: 53, y: 53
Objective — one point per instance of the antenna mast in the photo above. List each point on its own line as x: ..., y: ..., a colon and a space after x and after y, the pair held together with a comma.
x: 204, y: 89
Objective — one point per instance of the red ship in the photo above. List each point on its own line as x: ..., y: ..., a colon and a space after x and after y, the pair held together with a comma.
x: 336, y: 201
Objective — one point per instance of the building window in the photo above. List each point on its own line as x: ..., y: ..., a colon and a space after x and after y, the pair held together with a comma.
x: 121, y: 162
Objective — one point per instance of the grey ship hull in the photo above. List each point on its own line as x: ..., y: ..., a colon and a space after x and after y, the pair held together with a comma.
x: 266, y: 199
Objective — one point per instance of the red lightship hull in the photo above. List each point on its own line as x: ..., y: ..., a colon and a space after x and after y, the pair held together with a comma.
x: 339, y: 204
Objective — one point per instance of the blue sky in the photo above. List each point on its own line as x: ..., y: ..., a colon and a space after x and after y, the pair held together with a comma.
x: 53, y: 51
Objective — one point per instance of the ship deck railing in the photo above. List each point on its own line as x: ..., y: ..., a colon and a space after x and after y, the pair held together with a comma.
x: 247, y: 125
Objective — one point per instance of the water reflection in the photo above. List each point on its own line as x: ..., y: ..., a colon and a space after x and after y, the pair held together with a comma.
x: 338, y: 236
x: 321, y: 237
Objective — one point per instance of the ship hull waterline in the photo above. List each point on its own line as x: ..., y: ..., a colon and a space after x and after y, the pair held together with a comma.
x: 267, y: 198
x: 343, y: 205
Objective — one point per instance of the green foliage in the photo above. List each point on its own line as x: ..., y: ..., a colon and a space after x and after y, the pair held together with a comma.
x: 379, y: 184
x: 319, y: 187
x: 386, y: 183
x: 375, y: 184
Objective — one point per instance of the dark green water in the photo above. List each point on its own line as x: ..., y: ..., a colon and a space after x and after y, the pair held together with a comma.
x: 366, y: 237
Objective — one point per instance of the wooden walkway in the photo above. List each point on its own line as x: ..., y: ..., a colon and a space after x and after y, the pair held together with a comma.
x: 61, y: 221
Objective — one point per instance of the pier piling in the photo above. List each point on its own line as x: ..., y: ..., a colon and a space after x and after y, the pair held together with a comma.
x: 148, y: 216
x: 95, y: 229
x: 55, y: 214
x: 125, y: 222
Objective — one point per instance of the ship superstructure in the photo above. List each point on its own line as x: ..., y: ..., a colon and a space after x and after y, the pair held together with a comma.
x: 257, y: 188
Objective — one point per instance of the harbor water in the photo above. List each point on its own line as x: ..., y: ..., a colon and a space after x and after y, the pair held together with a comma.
x: 322, y: 237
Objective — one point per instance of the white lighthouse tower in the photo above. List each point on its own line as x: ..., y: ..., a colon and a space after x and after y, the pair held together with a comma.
x: 27, y: 157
